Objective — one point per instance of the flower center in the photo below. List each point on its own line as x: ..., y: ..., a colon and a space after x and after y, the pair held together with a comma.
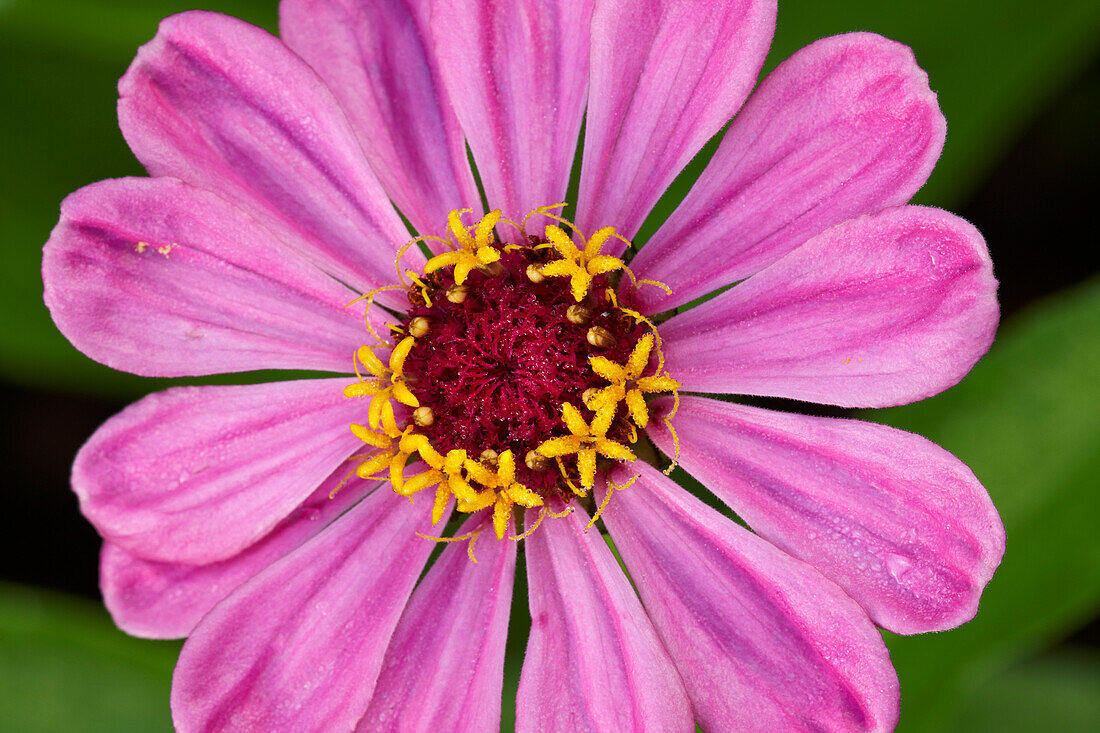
x: 516, y: 371
x: 495, y: 366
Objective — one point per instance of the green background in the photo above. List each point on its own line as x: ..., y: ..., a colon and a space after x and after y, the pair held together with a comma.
x: 1018, y: 83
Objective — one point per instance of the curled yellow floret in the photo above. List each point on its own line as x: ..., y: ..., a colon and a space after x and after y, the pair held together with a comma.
x: 501, y: 491
x: 580, y: 266
x: 390, y: 454
x: 627, y: 385
x: 388, y: 384
x: 474, y: 251
x: 586, y: 440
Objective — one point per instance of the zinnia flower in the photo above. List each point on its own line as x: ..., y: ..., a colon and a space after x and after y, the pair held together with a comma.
x: 519, y: 366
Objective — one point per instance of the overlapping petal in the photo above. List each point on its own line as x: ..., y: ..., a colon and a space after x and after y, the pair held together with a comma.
x: 196, y: 474
x: 880, y: 310
x: 447, y: 653
x: 899, y: 523
x: 163, y: 600
x: 593, y: 661
x: 299, y: 646
x: 666, y: 76
x: 227, y: 107
x: 516, y: 71
x: 377, y: 59
x: 159, y: 278
x: 764, y: 641
x: 845, y: 127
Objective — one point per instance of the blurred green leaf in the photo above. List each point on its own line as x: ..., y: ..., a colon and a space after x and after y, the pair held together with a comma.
x: 993, y: 63
x: 65, y: 667
x: 1056, y: 693
x: 62, y: 60
x: 112, y: 29
x: 1027, y: 421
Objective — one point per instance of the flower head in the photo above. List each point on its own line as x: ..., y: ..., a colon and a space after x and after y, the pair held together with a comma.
x: 521, y: 367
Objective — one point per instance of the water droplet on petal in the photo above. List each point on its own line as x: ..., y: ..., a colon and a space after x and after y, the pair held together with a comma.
x: 898, y: 566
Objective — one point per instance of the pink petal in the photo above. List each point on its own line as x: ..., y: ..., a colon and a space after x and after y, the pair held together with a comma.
x: 158, y: 278
x: 593, y: 660
x: 666, y: 76
x: 846, y: 126
x: 160, y: 600
x: 517, y: 71
x: 764, y: 642
x: 227, y: 107
x: 377, y: 59
x: 880, y: 310
x: 899, y: 523
x: 298, y: 647
x: 444, y: 669
x: 197, y: 474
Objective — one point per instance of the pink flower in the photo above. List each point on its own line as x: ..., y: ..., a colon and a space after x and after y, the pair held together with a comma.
x: 227, y: 512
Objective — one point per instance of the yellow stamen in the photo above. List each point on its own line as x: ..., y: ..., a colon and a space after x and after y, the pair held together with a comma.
x: 369, y: 437
x: 533, y: 527
x: 568, y: 481
x: 470, y: 547
x: 547, y: 211
x: 372, y: 465
x: 420, y: 481
x: 361, y: 389
x: 502, y: 512
x: 442, y: 496
x: 399, y: 354
x: 343, y: 482
x: 483, y: 230
x: 422, y: 285
x: 389, y: 456
x: 471, y: 536
x: 636, y: 406
x: 397, y: 471
x: 458, y: 229
x: 402, y: 394
x: 656, y: 283
x: 676, y: 445
x: 483, y: 500
x: 405, y: 248
x: 653, y: 329
x: 612, y: 487
x: 369, y: 297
